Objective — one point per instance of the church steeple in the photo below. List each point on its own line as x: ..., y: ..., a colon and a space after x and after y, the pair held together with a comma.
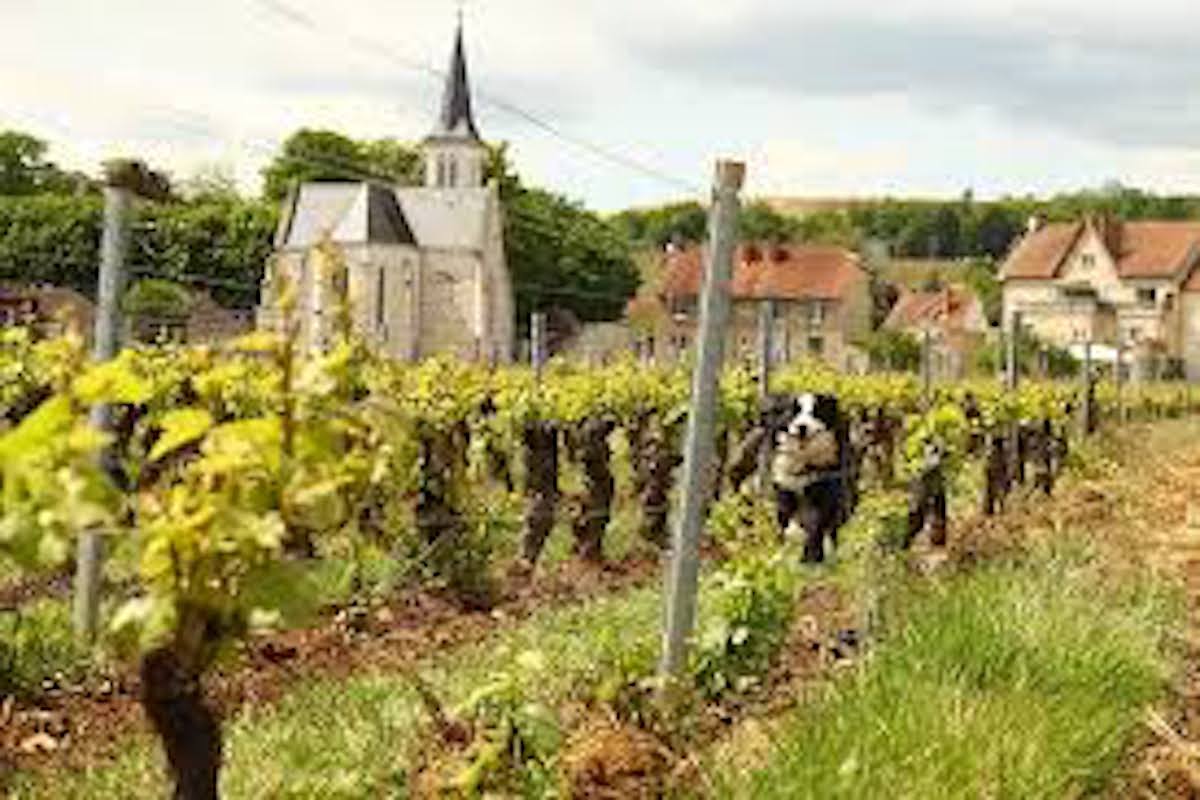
x: 456, y: 118
x: 454, y: 152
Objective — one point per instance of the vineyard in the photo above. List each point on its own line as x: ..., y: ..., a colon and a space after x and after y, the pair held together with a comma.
x: 266, y: 512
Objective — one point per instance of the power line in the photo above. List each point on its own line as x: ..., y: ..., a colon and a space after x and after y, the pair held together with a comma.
x: 299, y: 18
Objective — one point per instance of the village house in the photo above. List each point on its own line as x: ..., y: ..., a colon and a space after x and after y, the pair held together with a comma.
x: 1130, y: 284
x: 424, y: 267
x: 954, y: 318
x: 49, y: 311
x: 821, y: 303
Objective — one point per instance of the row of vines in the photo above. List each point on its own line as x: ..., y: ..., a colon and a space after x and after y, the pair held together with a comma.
x: 227, y: 469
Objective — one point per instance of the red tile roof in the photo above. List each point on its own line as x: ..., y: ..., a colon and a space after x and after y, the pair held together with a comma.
x: 1140, y: 249
x: 1156, y: 249
x: 948, y: 309
x: 1040, y: 254
x: 783, y: 272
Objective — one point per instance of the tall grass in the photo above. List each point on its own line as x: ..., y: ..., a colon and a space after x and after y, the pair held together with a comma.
x: 1021, y: 680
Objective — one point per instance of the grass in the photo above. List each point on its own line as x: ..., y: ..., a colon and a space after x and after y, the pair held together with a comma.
x: 349, y: 738
x: 37, y: 642
x: 1020, y: 680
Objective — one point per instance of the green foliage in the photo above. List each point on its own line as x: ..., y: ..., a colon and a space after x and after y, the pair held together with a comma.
x: 222, y: 244
x: 562, y: 255
x: 156, y: 298
x: 656, y: 227
x: 24, y: 169
x: 51, y: 486
x: 322, y: 155
x: 945, y: 428
x: 747, y: 615
x: 893, y: 350
x: 37, y: 643
x: 1032, y: 356
x: 1025, y: 680
x: 917, y: 228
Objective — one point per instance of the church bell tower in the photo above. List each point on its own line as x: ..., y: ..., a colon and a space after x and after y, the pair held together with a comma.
x: 454, y: 152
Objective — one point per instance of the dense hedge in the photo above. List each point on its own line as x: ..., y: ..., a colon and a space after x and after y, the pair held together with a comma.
x: 221, y: 245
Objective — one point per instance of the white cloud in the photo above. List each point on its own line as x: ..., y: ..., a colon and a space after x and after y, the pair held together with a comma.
x: 910, y: 96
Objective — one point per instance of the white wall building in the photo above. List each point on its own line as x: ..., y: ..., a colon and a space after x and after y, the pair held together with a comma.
x: 426, y: 267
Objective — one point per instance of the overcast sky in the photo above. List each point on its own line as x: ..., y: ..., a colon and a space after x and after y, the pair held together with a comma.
x: 906, y: 97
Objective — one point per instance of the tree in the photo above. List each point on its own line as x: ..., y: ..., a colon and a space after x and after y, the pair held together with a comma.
x: 681, y: 223
x: 562, y: 255
x: 893, y: 350
x: 210, y: 182
x: 24, y: 169
x: 399, y: 161
x: 761, y: 223
x: 313, y: 155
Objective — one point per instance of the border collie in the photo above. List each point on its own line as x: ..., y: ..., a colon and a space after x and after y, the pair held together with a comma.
x: 810, y: 472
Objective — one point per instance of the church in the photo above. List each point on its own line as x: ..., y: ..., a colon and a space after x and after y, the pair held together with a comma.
x: 425, y: 267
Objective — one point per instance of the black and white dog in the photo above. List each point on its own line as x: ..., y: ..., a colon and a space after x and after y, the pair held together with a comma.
x: 811, y: 470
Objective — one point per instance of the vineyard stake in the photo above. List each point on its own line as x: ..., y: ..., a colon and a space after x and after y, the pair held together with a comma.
x: 766, y: 321
x: 684, y: 564
x: 1013, y: 370
x: 926, y: 368
x: 537, y: 343
x: 114, y: 246
x: 1088, y: 411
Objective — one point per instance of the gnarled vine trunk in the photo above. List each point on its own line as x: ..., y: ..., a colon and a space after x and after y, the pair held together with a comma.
x: 743, y: 461
x: 437, y: 518
x: 594, y: 508
x: 661, y: 457
x: 995, y: 486
x: 541, y: 486
x: 189, y: 730
x: 927, y: 507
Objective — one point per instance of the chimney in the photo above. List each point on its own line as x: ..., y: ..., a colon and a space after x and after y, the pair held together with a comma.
x: 1110, y: 231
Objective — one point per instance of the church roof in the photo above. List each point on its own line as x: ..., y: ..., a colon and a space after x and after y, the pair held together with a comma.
x: 364, y: 213
x: 350, y: 213
x: 456, y: 120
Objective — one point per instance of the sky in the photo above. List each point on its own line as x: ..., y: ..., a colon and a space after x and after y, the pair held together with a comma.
x: 623, y: 103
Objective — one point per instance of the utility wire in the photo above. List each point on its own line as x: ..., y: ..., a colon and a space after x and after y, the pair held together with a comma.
x: 299, y: 18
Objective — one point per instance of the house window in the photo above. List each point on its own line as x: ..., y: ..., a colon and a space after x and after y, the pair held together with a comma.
x: 1088, y: 260
x: 1146, y: 297
x: 816, y: 345
x: 816, y: 314
x: 452, y: 173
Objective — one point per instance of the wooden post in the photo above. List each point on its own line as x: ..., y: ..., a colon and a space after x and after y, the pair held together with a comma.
x: 1119, y: 380
x: 684, y: 566
x: 926, y: 368
x: 114, y: 248
x: 766, y: 321
x: 1088, y: 411
x: 1012, y: 360
x: 537, y: 343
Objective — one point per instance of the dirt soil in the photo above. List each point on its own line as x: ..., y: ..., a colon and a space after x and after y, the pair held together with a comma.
x: 76, y: 726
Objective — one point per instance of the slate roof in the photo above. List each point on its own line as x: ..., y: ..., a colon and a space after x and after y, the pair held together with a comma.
x: 1139, y: 249
x: 364, y: 213
x: 453, y: 219
x: 457, y: 120
x: 782, y: 272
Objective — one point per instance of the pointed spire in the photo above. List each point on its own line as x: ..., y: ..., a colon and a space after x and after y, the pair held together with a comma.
x: 456, y: 119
